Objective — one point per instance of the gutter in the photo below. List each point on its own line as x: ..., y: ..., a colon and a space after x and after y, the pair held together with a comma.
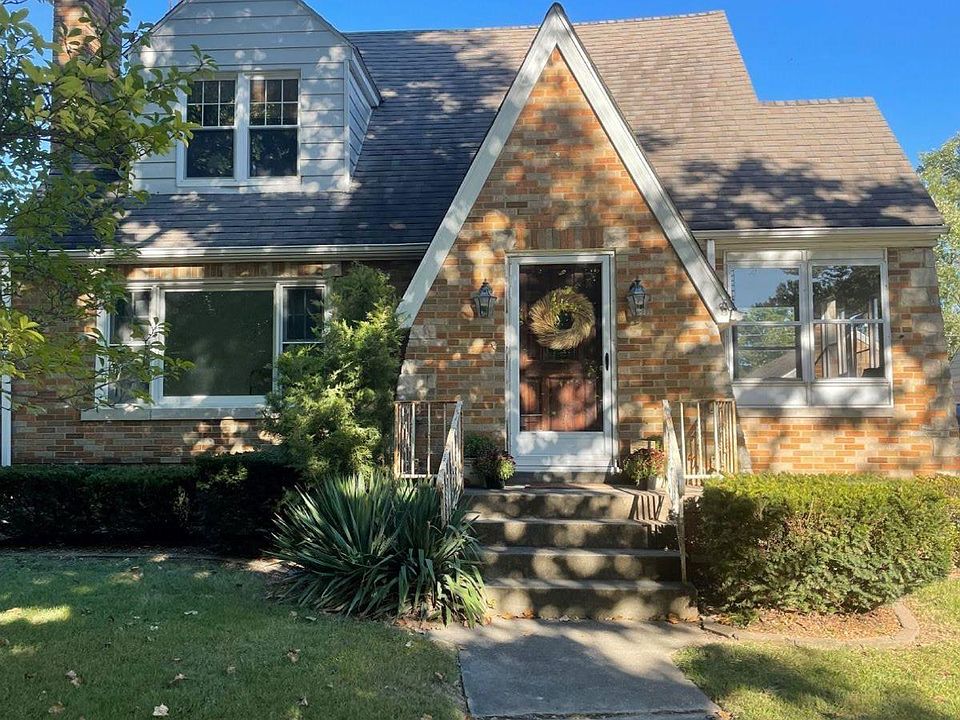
x: 261, y: 252
x: 910, y: 236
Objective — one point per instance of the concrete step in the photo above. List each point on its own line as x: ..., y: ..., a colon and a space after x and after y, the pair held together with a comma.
x: 592, y: 477
x: 581, y: 502
x: 519, y: 562
x: 572, y: 533
x: 596, y: 599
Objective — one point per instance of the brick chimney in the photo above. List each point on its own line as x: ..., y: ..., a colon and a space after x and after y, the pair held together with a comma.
x: 67, y: 15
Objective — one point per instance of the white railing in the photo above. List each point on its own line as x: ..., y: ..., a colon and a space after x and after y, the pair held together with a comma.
x: 428, y: 445
x: 676, y: 482
x: 708, y: 438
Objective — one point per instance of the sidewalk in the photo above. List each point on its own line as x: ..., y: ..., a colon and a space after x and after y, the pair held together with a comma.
x: 533, y: 668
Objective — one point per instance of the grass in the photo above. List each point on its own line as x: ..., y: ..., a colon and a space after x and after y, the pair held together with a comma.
x: 774, y: 682
x: 130, y: 628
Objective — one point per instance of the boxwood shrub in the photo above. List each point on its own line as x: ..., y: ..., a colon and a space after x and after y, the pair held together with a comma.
x: 816, y: 543
x: 41, y: 504
x: 238, y: 496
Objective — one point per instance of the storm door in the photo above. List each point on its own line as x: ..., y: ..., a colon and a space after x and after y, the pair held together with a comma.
x: 560, y: 384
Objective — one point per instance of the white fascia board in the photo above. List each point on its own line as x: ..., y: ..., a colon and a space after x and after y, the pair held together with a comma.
x: 255, y: 253
x: 556, y: 32
x: 907, y: 235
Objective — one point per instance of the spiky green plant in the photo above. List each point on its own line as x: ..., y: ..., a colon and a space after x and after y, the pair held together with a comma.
x: 373, y: 547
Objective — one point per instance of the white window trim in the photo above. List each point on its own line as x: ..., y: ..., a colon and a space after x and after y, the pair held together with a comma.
x: 241, y: 136
x: 812, y: 392
x: 201, y: 406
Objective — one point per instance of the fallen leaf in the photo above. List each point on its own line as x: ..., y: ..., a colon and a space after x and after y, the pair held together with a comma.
x: 426, y: 717
x: 189, y: 612
x: 409, y: 643
x: 438, y: 676
x: 302, y: 702
x: 179, y: 677
x: 293, y: 655
x: 309, y: 618
x: 161, y: 711
x: 154, y: 627
x: 176, y: 659
x: 56, y: 708
x: 231, y: 669
x: 73, y: 678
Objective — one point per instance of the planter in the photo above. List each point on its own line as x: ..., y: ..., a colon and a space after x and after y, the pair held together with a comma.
x: 495, y: 483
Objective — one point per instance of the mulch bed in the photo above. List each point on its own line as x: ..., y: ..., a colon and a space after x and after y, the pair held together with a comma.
x: 876, y: 623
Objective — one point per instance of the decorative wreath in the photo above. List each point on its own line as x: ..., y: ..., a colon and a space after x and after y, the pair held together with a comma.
x: 562, y: 319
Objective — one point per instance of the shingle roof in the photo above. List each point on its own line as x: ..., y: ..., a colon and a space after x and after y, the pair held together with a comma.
x: 729, y: 160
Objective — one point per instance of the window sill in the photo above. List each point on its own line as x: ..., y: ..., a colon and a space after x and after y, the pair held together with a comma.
x: 819, y: 411
x: 146, y: 413
x: 279, y: 183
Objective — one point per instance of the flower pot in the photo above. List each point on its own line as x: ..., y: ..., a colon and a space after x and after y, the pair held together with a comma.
x: 495, y: 483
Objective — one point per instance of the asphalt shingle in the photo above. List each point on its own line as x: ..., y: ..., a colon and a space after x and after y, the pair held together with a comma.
x: 729, y: 160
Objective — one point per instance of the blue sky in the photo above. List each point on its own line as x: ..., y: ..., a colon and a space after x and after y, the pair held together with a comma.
x: 901, y: 53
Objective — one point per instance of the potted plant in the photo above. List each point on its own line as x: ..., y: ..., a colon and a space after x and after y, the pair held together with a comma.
x: 644, y: 467
x: 495, y: 467
x: 474, y: 447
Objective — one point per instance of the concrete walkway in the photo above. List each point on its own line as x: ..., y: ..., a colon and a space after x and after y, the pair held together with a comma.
x: 543, y: 668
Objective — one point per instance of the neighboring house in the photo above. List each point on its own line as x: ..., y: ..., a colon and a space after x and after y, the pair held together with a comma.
x: 784, y: 248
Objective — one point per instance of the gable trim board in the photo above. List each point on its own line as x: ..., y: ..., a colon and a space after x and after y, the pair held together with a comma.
x: 556, y: 32
x: 916, y: 236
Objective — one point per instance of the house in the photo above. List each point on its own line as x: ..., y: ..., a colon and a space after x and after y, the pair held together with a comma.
x: 584, y: 219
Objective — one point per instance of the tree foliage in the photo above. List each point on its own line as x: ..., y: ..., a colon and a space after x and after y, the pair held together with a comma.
x: 76, y: 113
x: 334, y: 408
x: 940, y: 172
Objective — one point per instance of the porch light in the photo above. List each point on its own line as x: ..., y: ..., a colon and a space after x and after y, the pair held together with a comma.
x: 637, y: 299
x: 483, y: 300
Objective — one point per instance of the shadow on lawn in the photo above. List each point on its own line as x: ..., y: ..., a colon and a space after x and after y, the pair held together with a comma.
x: 806, y: 684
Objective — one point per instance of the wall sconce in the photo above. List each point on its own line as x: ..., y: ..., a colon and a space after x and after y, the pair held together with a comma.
x: 484, y: 300
x: 637, y: 299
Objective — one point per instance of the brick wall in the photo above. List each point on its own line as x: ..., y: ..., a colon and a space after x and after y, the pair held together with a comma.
x: 560, y: 185
x: 919, y: 435
x: 60, y: 436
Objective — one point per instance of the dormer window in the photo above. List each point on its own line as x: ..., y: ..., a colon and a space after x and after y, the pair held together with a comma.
x: 274, y: 115
x: 212, y: 105
x: 248, y: 130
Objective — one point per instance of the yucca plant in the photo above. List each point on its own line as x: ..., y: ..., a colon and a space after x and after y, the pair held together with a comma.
x: 374, y: 547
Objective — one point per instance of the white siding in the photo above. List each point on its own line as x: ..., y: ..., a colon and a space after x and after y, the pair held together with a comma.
x: 267, y: 35
x: 359, y: 114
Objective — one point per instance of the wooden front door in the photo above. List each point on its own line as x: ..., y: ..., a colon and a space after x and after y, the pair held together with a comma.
x: 560, y: 370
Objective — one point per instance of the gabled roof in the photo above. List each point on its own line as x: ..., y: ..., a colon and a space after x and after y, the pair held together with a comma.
x: 556, y: 33
x: 728, y: 159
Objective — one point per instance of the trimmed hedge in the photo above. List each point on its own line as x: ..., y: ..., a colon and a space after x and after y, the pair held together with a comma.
x: 89, y: 503
x: 239, y: 495
x: 223, y: 501
x: 816, y: 543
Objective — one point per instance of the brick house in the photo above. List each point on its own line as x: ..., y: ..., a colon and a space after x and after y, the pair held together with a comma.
x: 781, y: 252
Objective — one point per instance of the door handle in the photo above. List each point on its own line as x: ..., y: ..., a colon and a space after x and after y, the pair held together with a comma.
x: 606, y: 361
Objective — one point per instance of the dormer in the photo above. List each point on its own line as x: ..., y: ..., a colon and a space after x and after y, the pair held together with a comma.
x: 286, y: 109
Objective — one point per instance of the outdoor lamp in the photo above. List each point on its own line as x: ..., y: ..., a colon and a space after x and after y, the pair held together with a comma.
x: 637, y: 299
x: 483, y: 300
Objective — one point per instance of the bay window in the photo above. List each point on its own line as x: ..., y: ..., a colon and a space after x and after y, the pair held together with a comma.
x: 813, y: 329
x: 229, y: 333
x: 248, y: 130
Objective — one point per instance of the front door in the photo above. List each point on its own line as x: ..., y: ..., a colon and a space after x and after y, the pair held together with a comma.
x: 560, y: 385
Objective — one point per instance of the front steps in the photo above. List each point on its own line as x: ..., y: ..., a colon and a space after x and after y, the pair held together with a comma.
x: 588, y: 551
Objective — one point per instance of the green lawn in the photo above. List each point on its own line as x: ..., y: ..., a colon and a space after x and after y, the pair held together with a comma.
x: 771, y: 682
x: 202, y: 640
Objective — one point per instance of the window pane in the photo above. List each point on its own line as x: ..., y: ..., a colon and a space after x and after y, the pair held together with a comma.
x: 210, y: 117
x: 126, y: 390
x: 291, y: 90
x: 302, y: 314
x: 228, y: 336
x: 847, y: 292
x: 226, y: 114
x: 848, y: 350
x: 131, y: 318
x: 274, y: 93
x: 210, y: 154
x: 195, y: 114
x: 767, y: 294
x: 273, y: 153
x: 227, y: 91
x: 289, y: 114
x: 258, y: 93
x: 766, y: 352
